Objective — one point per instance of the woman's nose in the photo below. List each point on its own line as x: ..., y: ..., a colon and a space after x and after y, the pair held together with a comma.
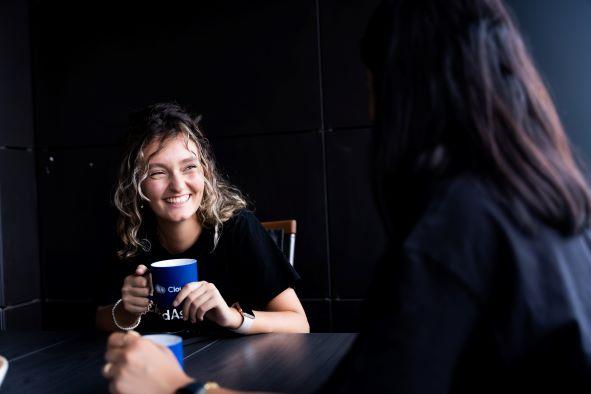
x: 176, y: 183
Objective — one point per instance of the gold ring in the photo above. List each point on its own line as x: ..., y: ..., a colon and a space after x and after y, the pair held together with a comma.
x: 107, y: 370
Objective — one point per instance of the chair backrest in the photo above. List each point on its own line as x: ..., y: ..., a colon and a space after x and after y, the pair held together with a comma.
x: 283, y: 232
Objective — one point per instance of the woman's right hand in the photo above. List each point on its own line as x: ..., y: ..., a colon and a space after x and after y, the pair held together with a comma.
x: 135, y: 291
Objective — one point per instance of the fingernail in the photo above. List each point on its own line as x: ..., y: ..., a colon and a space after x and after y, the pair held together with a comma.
x: 175, y: 304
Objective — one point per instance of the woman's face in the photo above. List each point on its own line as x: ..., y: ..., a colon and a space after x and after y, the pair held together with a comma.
x: 175, y: 180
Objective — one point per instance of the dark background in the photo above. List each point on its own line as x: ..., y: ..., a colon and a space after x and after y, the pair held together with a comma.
x: 283, y: 97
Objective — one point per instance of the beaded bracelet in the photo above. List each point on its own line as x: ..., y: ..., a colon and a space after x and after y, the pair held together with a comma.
x: 137, y: 322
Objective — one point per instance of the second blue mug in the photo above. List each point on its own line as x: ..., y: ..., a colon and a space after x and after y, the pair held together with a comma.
x: 173, y: 342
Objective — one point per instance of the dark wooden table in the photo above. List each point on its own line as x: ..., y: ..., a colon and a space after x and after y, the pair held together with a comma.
x: 45, y: 362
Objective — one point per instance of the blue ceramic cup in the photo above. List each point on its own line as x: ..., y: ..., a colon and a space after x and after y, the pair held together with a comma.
x: 173, y: 342
x: 169, y: 277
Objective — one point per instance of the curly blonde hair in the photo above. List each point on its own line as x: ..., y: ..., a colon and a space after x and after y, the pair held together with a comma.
x: 160, y: 122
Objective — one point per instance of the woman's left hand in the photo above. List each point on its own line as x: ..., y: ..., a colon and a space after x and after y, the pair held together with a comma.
x: 203, y: 299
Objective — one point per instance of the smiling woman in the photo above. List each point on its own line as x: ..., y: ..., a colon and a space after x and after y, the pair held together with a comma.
x: 173, y: 204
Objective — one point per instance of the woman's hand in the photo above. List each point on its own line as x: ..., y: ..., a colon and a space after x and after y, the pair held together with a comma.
x: 137, y: 365
x: 135, y: 291
x: 203, y: 299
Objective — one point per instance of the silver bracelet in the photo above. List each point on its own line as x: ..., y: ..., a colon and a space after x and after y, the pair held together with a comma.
x: 134, y: 325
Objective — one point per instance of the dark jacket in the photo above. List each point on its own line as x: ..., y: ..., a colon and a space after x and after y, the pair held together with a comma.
x: 472, y: 303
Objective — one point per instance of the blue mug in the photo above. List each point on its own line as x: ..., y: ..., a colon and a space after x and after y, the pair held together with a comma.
x: 173, y: 342
x: 168, y: 278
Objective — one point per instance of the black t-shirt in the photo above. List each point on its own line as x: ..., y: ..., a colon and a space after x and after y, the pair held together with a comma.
x: 471, y: 303
x: 246, y: 266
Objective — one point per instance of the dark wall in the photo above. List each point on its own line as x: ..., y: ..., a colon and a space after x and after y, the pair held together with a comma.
x: 20, y: 290
x: 558, y: 34
x: 283, y: 96
x: 296, y: 142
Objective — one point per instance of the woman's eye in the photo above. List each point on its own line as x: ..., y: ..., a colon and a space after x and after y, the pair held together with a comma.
x: 191, y: 167
x: 156, y: 173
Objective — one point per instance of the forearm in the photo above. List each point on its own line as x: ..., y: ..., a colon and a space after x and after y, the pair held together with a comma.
x: 284, y: 321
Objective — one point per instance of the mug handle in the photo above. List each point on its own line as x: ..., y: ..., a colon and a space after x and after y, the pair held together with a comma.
x: 152, y: 305
x: 148, y: 276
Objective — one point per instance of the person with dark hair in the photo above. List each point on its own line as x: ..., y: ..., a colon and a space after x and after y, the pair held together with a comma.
x: 486, y: 286
x: 174, y: 204
x: 487, y: 280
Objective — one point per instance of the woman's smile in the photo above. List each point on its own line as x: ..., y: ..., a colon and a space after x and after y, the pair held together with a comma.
x: 178, y: 201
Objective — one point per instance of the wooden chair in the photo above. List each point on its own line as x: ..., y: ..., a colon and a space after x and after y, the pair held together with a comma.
x: 283, y: 232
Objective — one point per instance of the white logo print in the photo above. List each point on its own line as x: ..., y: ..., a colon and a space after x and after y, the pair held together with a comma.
x: 175, y: 315
x: 160, y: 289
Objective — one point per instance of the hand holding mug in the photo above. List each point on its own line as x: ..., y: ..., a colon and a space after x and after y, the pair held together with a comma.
x: 135, y: 291
x: 137, y: 365
x: 203, y: 299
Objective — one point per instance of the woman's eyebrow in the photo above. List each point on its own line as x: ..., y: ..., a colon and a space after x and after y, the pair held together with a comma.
x: 150, y: 165
x: 183, y: 161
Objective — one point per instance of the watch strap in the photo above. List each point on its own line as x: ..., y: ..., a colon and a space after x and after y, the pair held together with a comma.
x: 195, y: 387
x: 247, y: 320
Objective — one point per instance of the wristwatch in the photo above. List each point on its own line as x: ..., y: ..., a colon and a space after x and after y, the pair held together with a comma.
x: 197, y: 387
x: 247, y: 318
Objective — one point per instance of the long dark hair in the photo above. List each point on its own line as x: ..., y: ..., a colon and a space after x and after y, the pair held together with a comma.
x: 454, y: 84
